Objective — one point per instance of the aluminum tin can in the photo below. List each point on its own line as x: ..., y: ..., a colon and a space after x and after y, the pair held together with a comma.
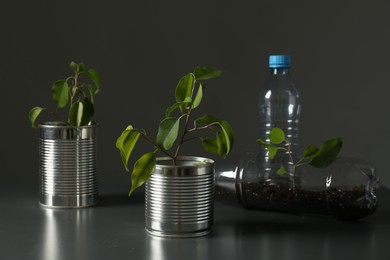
x: 67, y: 165
x: 180, y: 198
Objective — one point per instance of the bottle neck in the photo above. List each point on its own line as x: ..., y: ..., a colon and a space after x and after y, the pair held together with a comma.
x: 280, y: 71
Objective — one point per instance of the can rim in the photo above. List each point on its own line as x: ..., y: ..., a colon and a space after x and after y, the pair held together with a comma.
x: 195, y: 162
x: 62, y: 125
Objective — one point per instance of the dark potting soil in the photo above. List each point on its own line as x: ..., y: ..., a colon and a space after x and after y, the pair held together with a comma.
x: 344, y: 204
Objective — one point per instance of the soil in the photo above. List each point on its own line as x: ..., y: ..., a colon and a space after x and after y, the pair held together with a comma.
x: 343, y: 204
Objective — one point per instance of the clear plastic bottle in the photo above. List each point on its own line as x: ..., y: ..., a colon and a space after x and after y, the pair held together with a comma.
x: 346, y: 189
x: 279, y: 106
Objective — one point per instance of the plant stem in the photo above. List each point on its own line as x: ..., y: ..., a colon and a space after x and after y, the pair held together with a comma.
x: 294, y: 165
x: 76, y: 75
x: 144, y: 135
x: 182, y: 137
x: 182, y: 140
x: 200, y: 128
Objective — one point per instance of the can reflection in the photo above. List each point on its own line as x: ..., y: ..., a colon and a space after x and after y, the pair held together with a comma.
x: 158, y: 248
x: 65, y: 234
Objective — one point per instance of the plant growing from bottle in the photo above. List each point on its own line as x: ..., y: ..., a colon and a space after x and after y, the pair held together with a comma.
x: 75, y: 94
x: 189, y: 94
x: 319, y: 157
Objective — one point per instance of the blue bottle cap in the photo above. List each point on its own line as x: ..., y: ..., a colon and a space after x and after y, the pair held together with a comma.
x: 279, y: 61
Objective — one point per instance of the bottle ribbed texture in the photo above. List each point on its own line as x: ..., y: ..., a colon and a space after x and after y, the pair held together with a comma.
x: 279, y: 106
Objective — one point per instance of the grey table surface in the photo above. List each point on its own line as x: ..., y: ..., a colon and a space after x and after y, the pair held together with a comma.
x: 114, y: 229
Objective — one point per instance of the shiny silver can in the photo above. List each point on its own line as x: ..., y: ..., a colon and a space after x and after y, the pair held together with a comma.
x: 67, y: 165
x: 179, y: 199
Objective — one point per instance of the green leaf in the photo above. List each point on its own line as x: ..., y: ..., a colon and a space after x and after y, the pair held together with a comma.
x: 92, y: 91
x: 95, y: 78
x: 121, y: 139
x: 33, y: 115
x: 184, y: 87
x: 222, y: 148
x: 172, y: 108
x: 217, y: 146
x: 210, y: 145
x: 327, y: 153
x: 187, y: 100
x: 142, y: 170
x: 227, y: 139
x: 168, y: 132
x: 223, y: 144
x: 310, y: 151
x: 125, y: 143
x: 198, y: 97
x: 73, y: 65
x: 80, y: 67
x: 205, y: 120
x: 205, y: 73
x: 272, y: 151
x: 76, y: 114
x: 60, y: 93
x: 276, y: 135
x: 88, y: 111
x: 81, y: 113
x: 77, y: 67
x: 281, y: 170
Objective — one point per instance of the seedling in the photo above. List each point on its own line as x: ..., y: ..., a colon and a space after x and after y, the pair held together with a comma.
x: 317, y: 157
x: 79, y: 97
x: 189, y: 94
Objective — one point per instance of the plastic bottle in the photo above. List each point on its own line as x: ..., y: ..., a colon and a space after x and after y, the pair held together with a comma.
x: 279, y: 106
x: 346, y: 189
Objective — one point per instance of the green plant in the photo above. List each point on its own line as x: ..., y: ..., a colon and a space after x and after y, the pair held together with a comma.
x: 71, y: 92
x: 317, y: 157
x: 189, y: 94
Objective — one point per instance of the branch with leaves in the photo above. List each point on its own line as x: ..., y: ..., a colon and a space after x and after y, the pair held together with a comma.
x: 317, y: 157
x: 189, y: 94
x: 79, y: 97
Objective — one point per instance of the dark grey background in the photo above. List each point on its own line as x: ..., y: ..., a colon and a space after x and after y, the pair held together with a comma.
x: 340, y: 52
